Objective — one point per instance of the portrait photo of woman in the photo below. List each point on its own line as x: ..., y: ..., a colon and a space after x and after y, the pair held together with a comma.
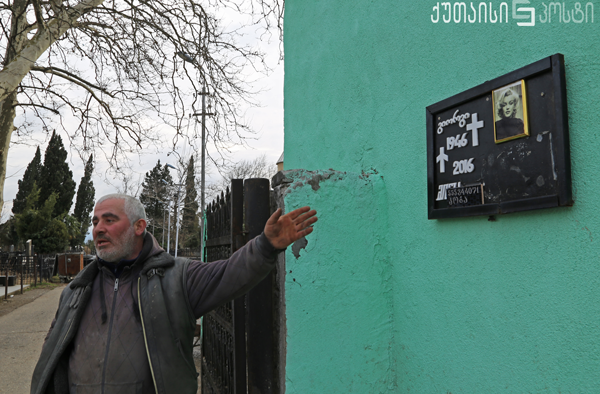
x: 510, y: 112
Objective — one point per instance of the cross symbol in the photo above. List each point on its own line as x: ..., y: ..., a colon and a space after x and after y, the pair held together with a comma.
x: 442, y: 159
x: 474, y: 126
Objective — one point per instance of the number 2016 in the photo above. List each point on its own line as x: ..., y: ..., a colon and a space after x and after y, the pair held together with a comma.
x: 463, y: 166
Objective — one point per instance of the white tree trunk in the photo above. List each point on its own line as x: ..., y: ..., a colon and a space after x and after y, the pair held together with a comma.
x: 21, y: 56
x: 7, y: 117
x: 14, y: 72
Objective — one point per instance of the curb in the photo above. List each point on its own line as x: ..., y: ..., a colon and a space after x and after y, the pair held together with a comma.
x: 12, y: 292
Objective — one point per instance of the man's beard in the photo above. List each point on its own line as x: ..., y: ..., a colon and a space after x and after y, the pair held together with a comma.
x: 118, y: 249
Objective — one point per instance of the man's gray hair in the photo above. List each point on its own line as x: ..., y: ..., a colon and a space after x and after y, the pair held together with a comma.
x: 133, y: 207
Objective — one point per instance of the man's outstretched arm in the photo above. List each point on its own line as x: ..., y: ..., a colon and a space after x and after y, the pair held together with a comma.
x: 210, y: 285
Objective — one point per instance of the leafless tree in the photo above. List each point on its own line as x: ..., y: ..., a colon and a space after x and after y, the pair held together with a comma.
x: 244, y: 169
x: 129, y: 186
x: 106, y: 73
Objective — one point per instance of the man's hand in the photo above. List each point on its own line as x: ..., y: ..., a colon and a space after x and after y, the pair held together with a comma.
x: 284, y: 230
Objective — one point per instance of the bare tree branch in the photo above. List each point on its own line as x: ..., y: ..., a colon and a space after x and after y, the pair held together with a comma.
x: 41, y: 23
x: 69, y: 76
x: 111, y: 64
x: 38, y: 105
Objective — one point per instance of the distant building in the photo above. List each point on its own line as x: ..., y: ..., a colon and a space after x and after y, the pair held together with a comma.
x: 280, y: 162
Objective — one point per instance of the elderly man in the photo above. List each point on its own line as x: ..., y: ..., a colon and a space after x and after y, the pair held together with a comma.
x: 126, y: 322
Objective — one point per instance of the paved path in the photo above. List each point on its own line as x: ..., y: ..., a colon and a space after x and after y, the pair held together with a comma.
x: 22, y: 334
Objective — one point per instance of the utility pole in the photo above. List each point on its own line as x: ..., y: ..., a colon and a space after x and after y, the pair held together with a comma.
x: 202, y: 178
x: 163, y: 223
x: 169, y: 208
x: 169, y: 231
x: 177, y: 218
x: 186, y: 57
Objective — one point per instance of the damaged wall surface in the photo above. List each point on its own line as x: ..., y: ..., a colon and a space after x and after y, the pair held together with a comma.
x: 325, y: 291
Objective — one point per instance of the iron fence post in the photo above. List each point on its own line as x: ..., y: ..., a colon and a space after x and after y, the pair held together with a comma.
x: 260, y: 324
x: 6, y: 279
x: 22, y: 264
x: 239, y: 307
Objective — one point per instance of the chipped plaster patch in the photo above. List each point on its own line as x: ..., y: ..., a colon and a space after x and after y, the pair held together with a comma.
x: 298, y: 245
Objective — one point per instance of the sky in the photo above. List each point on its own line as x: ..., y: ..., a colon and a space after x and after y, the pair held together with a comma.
x: 266, y: 120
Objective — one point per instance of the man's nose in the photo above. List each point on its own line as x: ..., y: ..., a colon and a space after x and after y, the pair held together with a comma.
x: 98, y: 229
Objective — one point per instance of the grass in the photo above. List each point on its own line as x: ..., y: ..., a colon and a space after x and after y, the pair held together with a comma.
x: 42, y: 285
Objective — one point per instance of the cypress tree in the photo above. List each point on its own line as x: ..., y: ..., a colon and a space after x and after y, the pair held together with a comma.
x: 84, y: 203
x: 154, y: 193
x: 48, y: 234
x: 57, y: 177
x: 190, y: 208
x: 32, y: 175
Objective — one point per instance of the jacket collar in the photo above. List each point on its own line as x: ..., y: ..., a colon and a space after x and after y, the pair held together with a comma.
x: 151, y: 257
x: 87, y: 275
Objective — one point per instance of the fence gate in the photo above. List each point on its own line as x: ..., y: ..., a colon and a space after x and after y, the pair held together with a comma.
x: 239, y: 341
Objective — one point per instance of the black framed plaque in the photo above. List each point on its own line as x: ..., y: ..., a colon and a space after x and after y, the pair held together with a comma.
x: 507, y: 138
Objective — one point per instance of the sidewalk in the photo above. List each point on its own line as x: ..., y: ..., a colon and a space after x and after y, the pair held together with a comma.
x: 11, y: 290
x: 22, y: 334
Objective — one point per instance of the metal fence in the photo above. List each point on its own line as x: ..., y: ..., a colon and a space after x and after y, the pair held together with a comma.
x: 18, y: 269
x: 221, y: 369
x: 191, y: 253
x: 237, y: 344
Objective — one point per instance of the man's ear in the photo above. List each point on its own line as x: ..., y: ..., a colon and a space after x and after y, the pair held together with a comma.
x: 139, y: 227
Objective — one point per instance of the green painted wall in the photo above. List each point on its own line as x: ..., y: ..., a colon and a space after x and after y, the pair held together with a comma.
x: 386, y: 300
x: 338, y: 296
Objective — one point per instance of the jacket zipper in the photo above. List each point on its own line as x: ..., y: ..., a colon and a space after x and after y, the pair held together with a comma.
x: 145, y: 338
x: 68, y: 330
x: 110, y: 327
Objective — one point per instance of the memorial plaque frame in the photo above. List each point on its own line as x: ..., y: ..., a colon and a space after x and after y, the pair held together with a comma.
x: 518, y: 174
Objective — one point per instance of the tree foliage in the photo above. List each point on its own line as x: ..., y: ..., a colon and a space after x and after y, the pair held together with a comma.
x: 54, y: 238
x: 84, y: 203
x: 110, y: 65
x: 39, y: 216
x: 155, y: 197
x: 190, y: 229
x: 48, y: 234
x: 32, y: 175
x: 74, y: 236
x: 57, y: 177
x: 8, y: 233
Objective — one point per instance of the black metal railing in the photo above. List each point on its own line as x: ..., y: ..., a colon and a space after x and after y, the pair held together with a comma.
x: 191, y: 253
x: 220, y: 369
x: 233, y: 355
x: 18, y: 269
